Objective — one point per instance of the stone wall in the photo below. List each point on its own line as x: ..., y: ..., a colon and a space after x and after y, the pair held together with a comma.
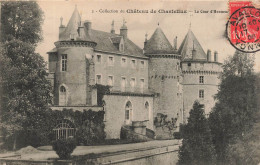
x: 118, y: 70
x: 115, y: 112
x: 74, y: 79
x: 165, y: 79
x: 192, y: 85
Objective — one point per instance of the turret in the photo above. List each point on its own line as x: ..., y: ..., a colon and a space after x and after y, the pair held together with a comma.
x: 215, y: 56
x: 123, y: 30
x: 209, y: 55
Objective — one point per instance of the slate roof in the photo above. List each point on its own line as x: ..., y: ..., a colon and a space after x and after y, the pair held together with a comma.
x: 189, y: 43
x: 158, y: 44
x: 105, y: 42
x: 72, y: 26
x: 116, y: 40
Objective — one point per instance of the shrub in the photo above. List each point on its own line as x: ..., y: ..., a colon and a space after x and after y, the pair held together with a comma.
x: 177, y: 135
x: 64, y: 147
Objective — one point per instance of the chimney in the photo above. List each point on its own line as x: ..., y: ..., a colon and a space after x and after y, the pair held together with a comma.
x: 123, y: 30
x: 175, y: 43
x: 215, y: 56
x: 145, y: 42
x: 81, y: 32
x: 61, y: 28
x: 87, y: 24
x: 209, y: 55
x: 113, y: 27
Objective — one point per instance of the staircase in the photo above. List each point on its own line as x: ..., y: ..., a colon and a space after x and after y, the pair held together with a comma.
x: 127, y: 132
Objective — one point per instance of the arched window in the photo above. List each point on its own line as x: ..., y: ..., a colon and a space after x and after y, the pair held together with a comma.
x: 64, y: 129
x: 146, y: 106
x: 62, y: 96
x: 62, y: 89
x: 128, y: 112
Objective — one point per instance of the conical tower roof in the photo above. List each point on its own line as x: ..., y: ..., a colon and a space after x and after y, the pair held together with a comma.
x: 189, y: 43
x: 158, y: 43
x: 72, y: 26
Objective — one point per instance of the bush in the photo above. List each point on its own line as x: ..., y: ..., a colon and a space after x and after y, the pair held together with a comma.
x: 64, y: 147
x: 177, y: 135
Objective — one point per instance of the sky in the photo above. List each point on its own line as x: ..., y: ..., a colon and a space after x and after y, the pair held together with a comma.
x: 209, y: 28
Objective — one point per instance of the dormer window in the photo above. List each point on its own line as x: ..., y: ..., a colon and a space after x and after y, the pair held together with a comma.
x: 121, y: 47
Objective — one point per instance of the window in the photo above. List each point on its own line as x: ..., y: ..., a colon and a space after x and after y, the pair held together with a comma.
x: 123, y: 84
x: 203, y: 106
x: 127, y: 115
x: 132, y: 83
x: 146, y: 106
x: 99, y: 59
x: 128, y: 112
x: 133, y: 63
x: 121, y: 47
x: 110, y: 60
x: 98, y: 79
x: 201, y: 93
x: 142, y: 85
x: 110, y: 81
x: 201, y: 80
x: 178, y: 66
x: 64, y: 62
x: 123, y: 61
x: 189, y: 64
x: 62, y: 89
x: 104, y: 109
x: 62, y: 96
x: 142, y: 64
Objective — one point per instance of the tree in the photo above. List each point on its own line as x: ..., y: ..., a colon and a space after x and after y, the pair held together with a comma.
x: 245, y: 150
x: 234, y: 112
x: 197, y: 147
x: 21, y: 21
x: 25, y: 89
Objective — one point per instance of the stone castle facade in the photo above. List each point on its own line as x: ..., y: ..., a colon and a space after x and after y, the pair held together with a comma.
x: 158, y: 79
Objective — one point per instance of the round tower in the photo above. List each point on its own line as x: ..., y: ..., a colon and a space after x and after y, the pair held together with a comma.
x: 164, y: 76
x: 200, y: 74
x: 72, y: 63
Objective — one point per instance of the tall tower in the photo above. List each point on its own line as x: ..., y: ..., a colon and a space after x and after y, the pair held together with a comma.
x: 71, y: 63
x: 200, y: 74
x: 164, y: 76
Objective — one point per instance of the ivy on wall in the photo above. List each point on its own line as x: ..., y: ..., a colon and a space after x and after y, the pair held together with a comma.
x: 89, y: 124
x: 101, y: 91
